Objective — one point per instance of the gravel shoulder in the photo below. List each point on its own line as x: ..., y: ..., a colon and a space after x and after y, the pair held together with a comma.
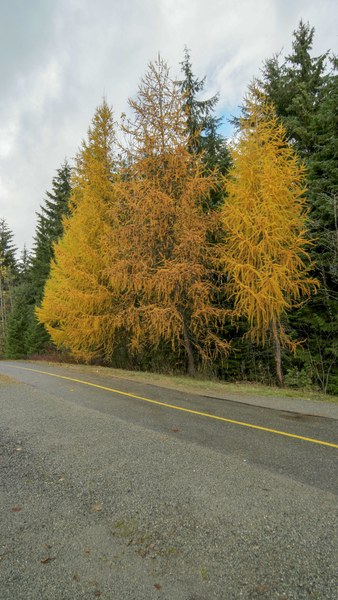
x: 95, y: 506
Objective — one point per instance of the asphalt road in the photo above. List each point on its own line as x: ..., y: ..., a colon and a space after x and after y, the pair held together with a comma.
x: 114, y: 496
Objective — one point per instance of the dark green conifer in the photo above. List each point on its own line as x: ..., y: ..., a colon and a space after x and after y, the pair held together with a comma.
x: 49, y: 227
x: 7, y: 247
x: 8, y: 275
x: 25, y: 335
x: 15, y: 346
x: 305, y: 92
x: 295, y: 87
x: 203, y: 125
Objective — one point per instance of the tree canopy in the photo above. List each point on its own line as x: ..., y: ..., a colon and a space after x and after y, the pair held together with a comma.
x: 167, y: 247
x: 264, y: 222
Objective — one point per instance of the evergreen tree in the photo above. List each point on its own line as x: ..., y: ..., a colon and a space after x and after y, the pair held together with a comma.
x: 304, y: 91
x: 319, y: 320
x: 7, y: 247
x: 24, y: 265
x: 8, y: 274
x: 296, y: 87
x: 323, y: 178
x: 203, y: 126
x: 25, y: 334
x: 49, y: 227
x: 36, y: 339
x: 19, y: 320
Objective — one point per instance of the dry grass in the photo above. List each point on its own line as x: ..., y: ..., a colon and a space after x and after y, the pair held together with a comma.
x: 6, y: 379
x: 199, y: 385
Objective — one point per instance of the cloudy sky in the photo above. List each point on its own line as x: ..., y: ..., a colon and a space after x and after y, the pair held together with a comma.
x: 58, y: 58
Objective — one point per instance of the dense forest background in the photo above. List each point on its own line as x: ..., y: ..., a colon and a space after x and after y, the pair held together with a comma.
x: 165, y: 247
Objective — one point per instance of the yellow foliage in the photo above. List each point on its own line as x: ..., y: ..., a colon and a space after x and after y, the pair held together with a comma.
x: 135, y: 258
x: 164, y: 259
x: 264, y: 218
x: 78, y: 304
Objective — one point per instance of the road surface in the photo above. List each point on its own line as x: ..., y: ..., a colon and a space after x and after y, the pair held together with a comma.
x: 122, y: 490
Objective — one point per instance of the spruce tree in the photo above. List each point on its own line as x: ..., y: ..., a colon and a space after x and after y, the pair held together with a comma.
x: 304, y: 90
x: 19, y: 320
x: 203, y: 126
x: 24, y: 265
x: 7, y: 247
x: 49, y: 227
x: 8, y: 276
x: 25, y: 334
x: 205, y: 141
x: 296, y: 88
x: 320, y: 318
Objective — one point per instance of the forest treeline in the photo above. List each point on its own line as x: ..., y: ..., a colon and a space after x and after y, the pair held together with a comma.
x: 165, y: 247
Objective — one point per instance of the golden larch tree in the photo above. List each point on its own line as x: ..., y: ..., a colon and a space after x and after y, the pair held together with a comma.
x: 264, y: 218
x: 163, y: 267
x: 78, y: 303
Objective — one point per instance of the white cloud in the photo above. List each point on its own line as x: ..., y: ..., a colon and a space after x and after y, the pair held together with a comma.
x: 58, y: 59
x: 8, y: 136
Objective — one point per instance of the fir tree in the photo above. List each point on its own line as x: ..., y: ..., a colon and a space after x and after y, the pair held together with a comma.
x: 304, y: 91
x: 203, y: 126
x: 7, y: 247
x: 320, y: 318
x: 24, y: 265
x: 49, y: 227
x: 8, y: 274
x: 19, y: 320
x: 27, y: 336
x: 295, y: 87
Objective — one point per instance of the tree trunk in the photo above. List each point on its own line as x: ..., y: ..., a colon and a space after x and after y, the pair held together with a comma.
x: 188, y: 347
x: 278, y: 357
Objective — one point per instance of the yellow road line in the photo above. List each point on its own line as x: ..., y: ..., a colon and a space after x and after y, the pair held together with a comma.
x: 186, y: 410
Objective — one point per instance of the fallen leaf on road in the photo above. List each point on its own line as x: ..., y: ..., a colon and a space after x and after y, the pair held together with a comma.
x: 157, y: 586
x: 96, y: 507
x: 174, y: 429
x: 261, y: 588
x: 16, y: 509
x: 47, y: 560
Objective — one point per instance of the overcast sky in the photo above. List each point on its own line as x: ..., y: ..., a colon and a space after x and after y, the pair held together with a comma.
x: 58, y: 58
